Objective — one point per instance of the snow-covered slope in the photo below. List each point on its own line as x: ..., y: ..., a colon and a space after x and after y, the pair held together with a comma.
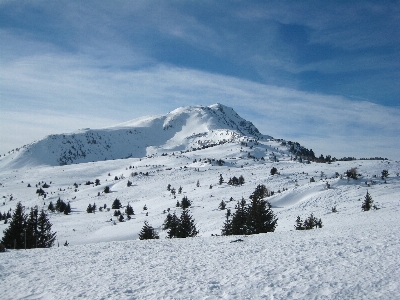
x: 182, y: 129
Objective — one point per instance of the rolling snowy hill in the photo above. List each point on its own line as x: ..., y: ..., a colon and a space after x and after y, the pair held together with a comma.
x: 354, y: 255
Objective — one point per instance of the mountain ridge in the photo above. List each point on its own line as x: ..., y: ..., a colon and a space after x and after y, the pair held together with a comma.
x: 185, y: 128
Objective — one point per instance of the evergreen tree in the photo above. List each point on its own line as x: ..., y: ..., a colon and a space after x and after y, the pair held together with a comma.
x: 45, y: 237
x: 116, y: 204
x: 227, y: 229
x: 180, y: 190
x: 173, y: 226
x: 185, y: 203
x: 310, y: 222
x: 221, y: 179
x: 148, y: 232
x: 67, y: 209
x: 129, y: 210
x: 222, y: 205
x: 89, y: 209
x: 31, y: 228
x: 260, y: 192
x: 367, y: 204
x: 15, y: 231
x: 239, y: 218
x: 60, y: 205
x: 106, y: 190
x: 186, y: 226
x: 299, y: 224
x: 260, y: 218
x: 241, y: 180
x: 51, y: 207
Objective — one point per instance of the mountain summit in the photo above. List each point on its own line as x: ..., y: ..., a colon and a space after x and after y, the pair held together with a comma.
x: 185, y: 128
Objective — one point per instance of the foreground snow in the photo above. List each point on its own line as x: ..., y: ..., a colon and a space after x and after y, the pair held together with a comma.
x: 361, y: 262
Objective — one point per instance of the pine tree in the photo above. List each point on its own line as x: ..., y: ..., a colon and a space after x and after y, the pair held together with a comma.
x: 67, y: 209
x: 116, y: 204
x: 172, y: 225
x: 222, y: 205
x: 15, y: 231
x: 299, y: 224
x: 185, y: 203
x: 60, y: 205
x: 260, y: 218
x: 227, y: 229
x: 32, y: 228
x: 367, y: 204
x: 186, y: 226
x: 89, y: 209
x: 129, y: 210
x: 51, y: 207
x: 239, y: 218
x: 221, y: 179
x: 241, y: 180
x: 45, y: 237
x: 310, y: 222
x: 148, y: 232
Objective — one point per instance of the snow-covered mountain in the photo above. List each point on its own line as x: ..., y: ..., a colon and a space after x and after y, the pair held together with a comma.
x: 353, y: 256
x: 182, y: 129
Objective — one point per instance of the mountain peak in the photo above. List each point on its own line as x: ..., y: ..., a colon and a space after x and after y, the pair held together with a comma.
x: 185, y: 128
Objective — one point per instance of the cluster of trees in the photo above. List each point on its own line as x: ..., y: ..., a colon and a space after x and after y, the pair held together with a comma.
x: 257, y: 217
x: 236, y: 181
x: 5, y: 216
x: 27, y: 231
x: 309, y: 223
x: 60, y: 206
x: 91, y: 208
x: 182, y: 227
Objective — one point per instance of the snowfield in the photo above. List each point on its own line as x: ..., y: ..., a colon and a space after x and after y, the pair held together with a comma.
x: 354, y: 256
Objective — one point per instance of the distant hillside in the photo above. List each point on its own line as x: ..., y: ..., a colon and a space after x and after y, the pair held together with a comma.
x: 185, y: 128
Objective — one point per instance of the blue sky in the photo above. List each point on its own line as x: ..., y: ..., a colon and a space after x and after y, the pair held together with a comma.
x: 323, y: 73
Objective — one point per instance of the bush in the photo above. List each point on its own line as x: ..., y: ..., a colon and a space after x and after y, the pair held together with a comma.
x: 274, y: 171
x: 308, y: 224
x: 352, y: 173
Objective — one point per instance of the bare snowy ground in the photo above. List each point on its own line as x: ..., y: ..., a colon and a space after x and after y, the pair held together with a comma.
x: 361, y: 262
